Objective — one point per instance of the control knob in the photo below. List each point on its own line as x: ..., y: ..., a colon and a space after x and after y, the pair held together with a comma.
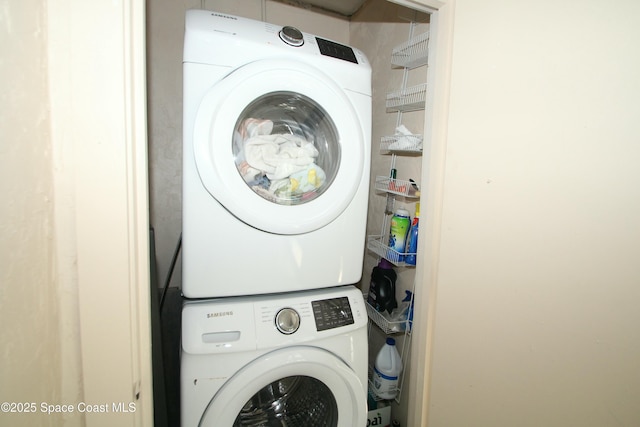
x: 291, y: 36
x: 287, y: 321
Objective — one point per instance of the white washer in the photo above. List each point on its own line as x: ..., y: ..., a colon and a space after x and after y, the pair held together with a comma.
x: 297, y: 360
x: 277, y: 129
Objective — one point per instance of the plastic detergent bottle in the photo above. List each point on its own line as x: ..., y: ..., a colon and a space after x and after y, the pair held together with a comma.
x: 398, y: 234
x: 408, y: 300
x: 382, y: 289
x: 386, y: 371
x: 412, y: 244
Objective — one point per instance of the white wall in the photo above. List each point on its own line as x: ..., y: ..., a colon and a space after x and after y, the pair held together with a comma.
x: 30, y: 365
x: 536, y: 320
x: 74, y: 290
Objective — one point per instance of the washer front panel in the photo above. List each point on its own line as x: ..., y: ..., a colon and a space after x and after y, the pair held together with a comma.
x: 348, y: 391
x: 232, y: 350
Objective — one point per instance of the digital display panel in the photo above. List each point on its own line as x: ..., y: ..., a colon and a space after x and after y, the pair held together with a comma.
x: 336, y: 50
x: 332, y: 313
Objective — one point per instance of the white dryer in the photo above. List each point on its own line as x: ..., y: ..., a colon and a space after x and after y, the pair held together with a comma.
x: 277, y: 129
x: 296, y: 360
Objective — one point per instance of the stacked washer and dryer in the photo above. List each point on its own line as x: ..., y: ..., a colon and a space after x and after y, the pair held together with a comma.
x: 277, y: 127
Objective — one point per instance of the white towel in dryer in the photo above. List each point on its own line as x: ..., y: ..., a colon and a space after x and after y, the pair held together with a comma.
x: 280, y: 155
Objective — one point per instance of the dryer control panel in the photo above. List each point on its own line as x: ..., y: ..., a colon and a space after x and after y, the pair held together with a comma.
x: 336, y: 50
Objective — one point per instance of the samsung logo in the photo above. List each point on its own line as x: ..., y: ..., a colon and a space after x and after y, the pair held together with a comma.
x: 219, y: 314
x: 224, y: 16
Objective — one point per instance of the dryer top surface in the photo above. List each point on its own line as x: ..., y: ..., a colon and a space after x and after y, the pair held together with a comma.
x: 232, y: 41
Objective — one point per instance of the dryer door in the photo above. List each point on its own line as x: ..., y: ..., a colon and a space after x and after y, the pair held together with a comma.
x: 294, y: 387
x: 280, y: 146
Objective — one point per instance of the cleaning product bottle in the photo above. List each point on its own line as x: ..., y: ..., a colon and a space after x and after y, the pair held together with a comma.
x: 386, y: 370
x: 382, y: 289
x: 408, y: 299
x: 398, y: 235
x: 412, y: 244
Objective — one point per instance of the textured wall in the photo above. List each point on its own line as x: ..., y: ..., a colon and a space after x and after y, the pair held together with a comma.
x: 537, y: 314
x: 30, y: 363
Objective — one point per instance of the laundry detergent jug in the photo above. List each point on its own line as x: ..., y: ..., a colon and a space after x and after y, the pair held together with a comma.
x: 398, y: 232
x: 382, y: 289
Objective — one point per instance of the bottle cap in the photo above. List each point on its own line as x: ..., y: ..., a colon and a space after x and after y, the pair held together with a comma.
x: 402, y: 212
x: 384, y: 264
x: 391, y: 341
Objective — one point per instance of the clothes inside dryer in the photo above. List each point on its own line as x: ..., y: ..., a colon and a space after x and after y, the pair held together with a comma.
x: 296, y: 401
x: 286, y: 148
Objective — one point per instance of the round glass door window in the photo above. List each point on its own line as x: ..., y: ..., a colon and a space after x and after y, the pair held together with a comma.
x: 286, y: 148
x: 297, y: 401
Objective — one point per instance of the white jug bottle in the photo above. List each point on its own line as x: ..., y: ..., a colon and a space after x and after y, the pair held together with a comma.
x: 386, y: 371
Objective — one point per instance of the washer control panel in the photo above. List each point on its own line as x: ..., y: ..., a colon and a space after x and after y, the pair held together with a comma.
x: 237, y: 324
x: 307, y: 316
x: 332, y: 313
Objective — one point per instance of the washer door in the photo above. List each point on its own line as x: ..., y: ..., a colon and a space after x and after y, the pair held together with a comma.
x: 280, y: 146
x: 293, y: 387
